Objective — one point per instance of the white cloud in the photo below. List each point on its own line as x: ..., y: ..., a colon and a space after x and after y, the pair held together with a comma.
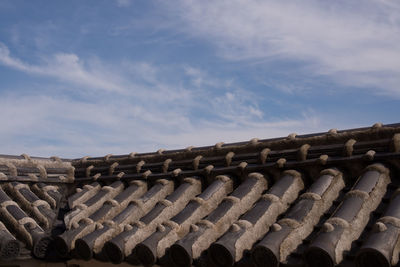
x: 237, y: 106
x: 199, y: 78
x: 45, y: 126
x: 335, y: 38
x: 65, y: 67
x: 154, y: 110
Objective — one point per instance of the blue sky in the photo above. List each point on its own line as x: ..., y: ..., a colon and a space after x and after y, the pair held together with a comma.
x: 97, y: 77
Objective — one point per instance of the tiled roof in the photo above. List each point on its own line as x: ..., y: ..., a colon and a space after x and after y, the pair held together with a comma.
x: 30, y: 197
x: 322, y: 199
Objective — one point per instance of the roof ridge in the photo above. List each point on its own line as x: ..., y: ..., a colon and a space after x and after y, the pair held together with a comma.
x: 284, y: 142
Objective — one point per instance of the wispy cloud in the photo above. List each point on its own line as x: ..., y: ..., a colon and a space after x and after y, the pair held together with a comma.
x: 154, y: 110
x: 49, y: 125
x: 200, y: 78
x: 237, y: 105
x: 65, y: 67
x: 353, y: 43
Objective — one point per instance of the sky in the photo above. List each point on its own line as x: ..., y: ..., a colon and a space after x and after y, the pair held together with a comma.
x: 104, y: 77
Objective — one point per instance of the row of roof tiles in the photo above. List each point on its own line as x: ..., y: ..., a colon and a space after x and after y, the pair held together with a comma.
x: 212, y: 205
x: 347, y: 143
x: 322, y: 155
x: 29, y: 213
x: 227, y: 223
x: 378, y: 130
x: 27, y: 169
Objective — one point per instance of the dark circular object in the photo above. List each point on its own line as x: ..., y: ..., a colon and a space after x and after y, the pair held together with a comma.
x: 61, y: 246
x: 83, y: 249
x: 114, y: 252
x: 41, y: 246
x: 179, y: 256
x: 369, y: 257
x: 145, y: 255
x: 316, y: 257
x: 262, y: 256
x: 220, y: 255
x: 9, y: 250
